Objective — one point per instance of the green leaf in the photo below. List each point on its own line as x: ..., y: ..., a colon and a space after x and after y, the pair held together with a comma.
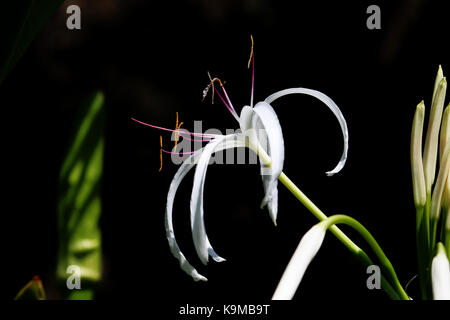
x: 20, y: 21
x: 33, y: 290
x: 79, y: 203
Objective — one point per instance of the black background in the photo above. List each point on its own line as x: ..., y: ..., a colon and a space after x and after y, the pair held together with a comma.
x: 150, y: 59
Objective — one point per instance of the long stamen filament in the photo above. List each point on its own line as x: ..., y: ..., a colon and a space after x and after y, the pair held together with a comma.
x: 252, y: 60
x: 251, y: 53
x: 227, y: 103
x: 194, y: 134
x: 228, y: 100
x: 177, y: 128
x: 182, y: 153
x: 160, y: 153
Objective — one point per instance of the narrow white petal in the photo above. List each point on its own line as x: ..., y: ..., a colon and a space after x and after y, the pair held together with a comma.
x: 270, y: 138
x: 333, y: 107
x: 185, y: 167
x: 307, y: 249
x: 440, y: 275
x: 272, y: 202
x: 200, y: 238
x: 170, y: 234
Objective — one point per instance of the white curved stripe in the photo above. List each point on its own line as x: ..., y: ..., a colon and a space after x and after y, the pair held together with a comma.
x: 168, y: 219
x: 201, y: 242
x: 333, y: 107
x: 266, y: 116
x: 185, y: 167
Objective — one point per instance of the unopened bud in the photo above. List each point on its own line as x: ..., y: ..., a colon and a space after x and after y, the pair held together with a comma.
x: 416, y: 156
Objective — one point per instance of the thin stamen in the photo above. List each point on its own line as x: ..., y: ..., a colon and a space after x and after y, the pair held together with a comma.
x: 228, y: 99
x: 160, y: 153
x: 209, y: 86
x: 204, y: 139
x: 251, y: 53
x: 227, y: 104
x: 252, y: 60
x: 194, y: 134
x: 177, y: 127
x: 172, y: 152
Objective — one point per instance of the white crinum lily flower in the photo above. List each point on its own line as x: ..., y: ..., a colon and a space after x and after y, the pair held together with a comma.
x: 256, y: 123
x: 440, y: 275
x: 261, y: 132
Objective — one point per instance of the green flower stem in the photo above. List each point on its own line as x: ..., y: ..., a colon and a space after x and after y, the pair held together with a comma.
x: 433, y: 230
x: 357, y: 251
x: 337, y: 219
x: 426, y: 223
x: 422, y: 249
x: 426, y: 246
x: 447, y: 242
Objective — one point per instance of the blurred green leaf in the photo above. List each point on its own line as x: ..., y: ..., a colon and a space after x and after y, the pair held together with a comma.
x: 79, y: 203
x: 20, y: 21
x: 33, y: 290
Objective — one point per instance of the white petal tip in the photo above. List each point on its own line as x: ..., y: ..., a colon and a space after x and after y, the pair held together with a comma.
x: 273, y: 216
x: 214, y: 255
x: 193, y: 273
x: 219, y: 259
x: 335, y: 170
x: 200, y: 278
x: 263, y: 204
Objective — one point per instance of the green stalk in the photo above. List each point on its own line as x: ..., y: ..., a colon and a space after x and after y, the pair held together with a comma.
x: 433, y: 235
x: 425, y: 239
x: 426, y: 222
x: 357, y: 251
x: 447, y: 242
x: 331, y: 221
x: 422, y: 250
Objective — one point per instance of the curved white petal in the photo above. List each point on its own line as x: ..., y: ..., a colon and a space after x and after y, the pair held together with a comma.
x: 440, y: 275
x: 267, y: 130
x: 201, y: 241
x: 245, y: 118
x: 333, y: 107
x: 307, y: 249
x: 187, y: 165
x: 174, y: 248
x: 272, y: 198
